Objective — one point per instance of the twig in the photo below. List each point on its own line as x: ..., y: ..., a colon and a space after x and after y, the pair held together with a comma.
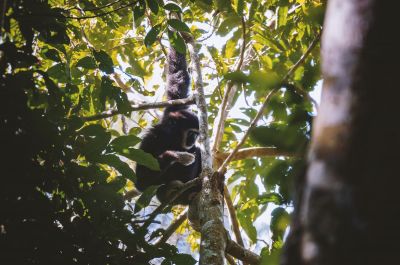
x: 232, y: 214
x: 219, y: 122
x: 253, y: 123
x: 144, y: 106
x: 230, y: 260
x: 85, y: 17
x: 243, y: 48
x: 245, y: 153
x: 237, y: 251
x: 96, y: 8
x: 214, y: 28
x: 172, y: 228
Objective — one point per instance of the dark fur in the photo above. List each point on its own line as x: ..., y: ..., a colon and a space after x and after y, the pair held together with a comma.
x: 165, y: 138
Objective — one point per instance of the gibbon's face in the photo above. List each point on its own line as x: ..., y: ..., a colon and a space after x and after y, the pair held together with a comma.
x: 189, y: 138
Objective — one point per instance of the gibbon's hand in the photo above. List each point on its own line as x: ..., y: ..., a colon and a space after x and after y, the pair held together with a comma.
x: 185, y: 158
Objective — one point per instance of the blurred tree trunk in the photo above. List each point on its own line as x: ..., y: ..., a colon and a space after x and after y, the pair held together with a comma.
x: 348, y: 207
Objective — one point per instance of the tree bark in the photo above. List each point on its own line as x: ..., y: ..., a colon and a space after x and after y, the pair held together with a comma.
x: 213, y: 235
x: 348, y: 211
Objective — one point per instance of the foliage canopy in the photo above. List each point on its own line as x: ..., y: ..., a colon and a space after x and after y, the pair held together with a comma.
x: 64, y: 177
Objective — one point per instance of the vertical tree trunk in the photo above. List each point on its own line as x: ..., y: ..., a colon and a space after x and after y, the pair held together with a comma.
x: 348, y: 211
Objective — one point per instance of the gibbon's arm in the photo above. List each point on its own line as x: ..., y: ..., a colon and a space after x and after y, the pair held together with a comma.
x: 178, y: 79
x: 153, y: 145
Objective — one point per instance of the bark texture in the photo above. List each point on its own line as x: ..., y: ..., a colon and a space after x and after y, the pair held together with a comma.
x: 348, y: 209
x: 213, y: 236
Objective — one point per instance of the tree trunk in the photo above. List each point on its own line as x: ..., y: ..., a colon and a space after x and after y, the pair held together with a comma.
x: 348, y: 210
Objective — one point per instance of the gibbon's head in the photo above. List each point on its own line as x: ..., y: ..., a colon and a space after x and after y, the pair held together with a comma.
x: 185, y: 123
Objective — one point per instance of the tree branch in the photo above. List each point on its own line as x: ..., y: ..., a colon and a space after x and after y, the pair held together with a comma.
x: 144, y: 106
x: 172, y: 228
x: 101, y: 14
x: 219, y: 122
x: 232, y: 214
x: 269, y: 95
x: 213, y: 235
x: 96, y: 8
x: 230, y: 260
x: 237, y: 251
x: 250, y: 152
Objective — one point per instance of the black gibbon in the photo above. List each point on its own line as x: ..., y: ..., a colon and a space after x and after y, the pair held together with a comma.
x: 172, y: 140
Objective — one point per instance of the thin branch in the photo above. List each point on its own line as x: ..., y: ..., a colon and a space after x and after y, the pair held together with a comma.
x: 232, y: 214
x: 230, y: 259
x: 303, y: 57
x: 237, y: 251
x: 250, y: 152
x: 144, y: 106
x: 243, y: 48
x: 204, y: 141
x: 96, y: 8
x: 253, y: 124
x: 85, y: 17
x: 269, y: 95
x: 214, y: 28
x: 172, y: 228
x: 219, y: 122
x: 213, y: 239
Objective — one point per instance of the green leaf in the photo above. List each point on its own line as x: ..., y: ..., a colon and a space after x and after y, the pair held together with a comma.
x: 87, y: 62
x: 270, y: 258
x: 253, y: 9
x: 173, y: 7
x: 230, y: 49
x: 268, y: 197
x: 279, y: 222
x: 124, y: 141
x: 282, y: 15
x: 177, y: 42
x: 139, y: 10
x: 238, y: 77
x: 145, y: 198
x: 57, y: 71
x: 240, y: 7
x: 123, y: 168
x: 153, y: 6
x: 96, y: 139
x: 141, y: 157
x: 151, y: 36
x: 52, y: 54
x: 105, y: 62
x: 178, y: 25
x: 229, y: 24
